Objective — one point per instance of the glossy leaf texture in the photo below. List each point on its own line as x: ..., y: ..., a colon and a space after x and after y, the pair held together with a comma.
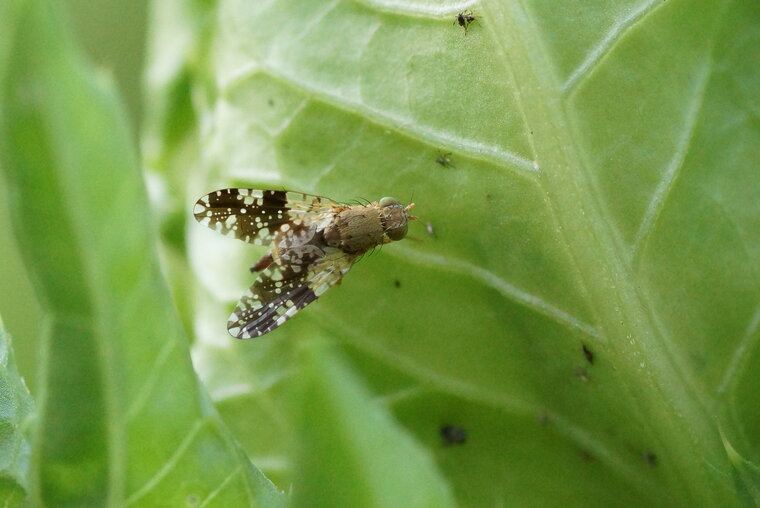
x: 122, y: 419
x: 587, y: 308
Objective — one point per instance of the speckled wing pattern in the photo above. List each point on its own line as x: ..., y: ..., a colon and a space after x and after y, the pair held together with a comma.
x: 280, y: 292
x: 253, y: 215
x: 304, y: 268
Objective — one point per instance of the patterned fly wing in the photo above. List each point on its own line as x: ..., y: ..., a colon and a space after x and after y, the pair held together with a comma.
x: 313, y: 243
x: 280, y: 292
x: 254, y: 215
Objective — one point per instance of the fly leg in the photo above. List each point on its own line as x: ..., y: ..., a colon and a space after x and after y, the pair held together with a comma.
x: 262, y: 263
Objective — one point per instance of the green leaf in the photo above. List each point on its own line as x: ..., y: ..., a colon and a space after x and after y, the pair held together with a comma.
x: 352, y: 446
x: 747, y: 474
x: 16, y: 406
x: 588, y: 309
x: 122, y: 419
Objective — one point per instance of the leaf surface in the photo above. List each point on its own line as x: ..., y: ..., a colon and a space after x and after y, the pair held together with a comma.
x: 588, y: 308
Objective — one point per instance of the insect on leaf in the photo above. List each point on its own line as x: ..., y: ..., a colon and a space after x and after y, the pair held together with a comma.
x: 314, y: 242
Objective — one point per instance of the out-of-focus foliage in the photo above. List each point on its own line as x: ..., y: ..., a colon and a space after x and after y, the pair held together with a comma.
x: 121, y: 417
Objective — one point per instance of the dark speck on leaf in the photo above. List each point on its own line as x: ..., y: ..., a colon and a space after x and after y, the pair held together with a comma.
x: 453, y: 435
x: 464, y: 19
x: 581, y: 373
x: 444, y: 160
x: 588, y: 354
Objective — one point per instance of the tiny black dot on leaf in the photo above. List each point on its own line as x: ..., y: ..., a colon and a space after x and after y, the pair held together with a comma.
x: 453, y: 435
x: 588, y: 354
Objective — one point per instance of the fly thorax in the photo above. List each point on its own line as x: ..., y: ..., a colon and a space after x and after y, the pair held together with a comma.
x: 356, y: 230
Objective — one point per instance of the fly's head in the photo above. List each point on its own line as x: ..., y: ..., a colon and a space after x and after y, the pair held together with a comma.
x: 395, y: 217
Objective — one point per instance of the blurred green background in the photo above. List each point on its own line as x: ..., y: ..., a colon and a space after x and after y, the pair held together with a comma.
x: 113, y: 34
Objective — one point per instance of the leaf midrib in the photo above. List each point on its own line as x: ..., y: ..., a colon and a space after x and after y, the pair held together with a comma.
x: 621, y: 314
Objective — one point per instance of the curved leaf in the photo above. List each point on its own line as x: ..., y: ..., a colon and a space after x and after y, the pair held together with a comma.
x: 122, y: 419
x: 349, y: 452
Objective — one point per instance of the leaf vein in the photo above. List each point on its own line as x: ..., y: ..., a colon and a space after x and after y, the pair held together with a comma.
x: 220, y: 487
x: 673, y: 169
x: 142, y: 396
x: 498, y: 401
x: 403, y: 7
x: 606, y: 44
x: 480, y: 151
x: 170, y: 463
x: 506, y: 289
x: 746, y: 346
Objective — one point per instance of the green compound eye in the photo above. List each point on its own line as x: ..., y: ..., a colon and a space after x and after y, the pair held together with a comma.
x: 386, y: 201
